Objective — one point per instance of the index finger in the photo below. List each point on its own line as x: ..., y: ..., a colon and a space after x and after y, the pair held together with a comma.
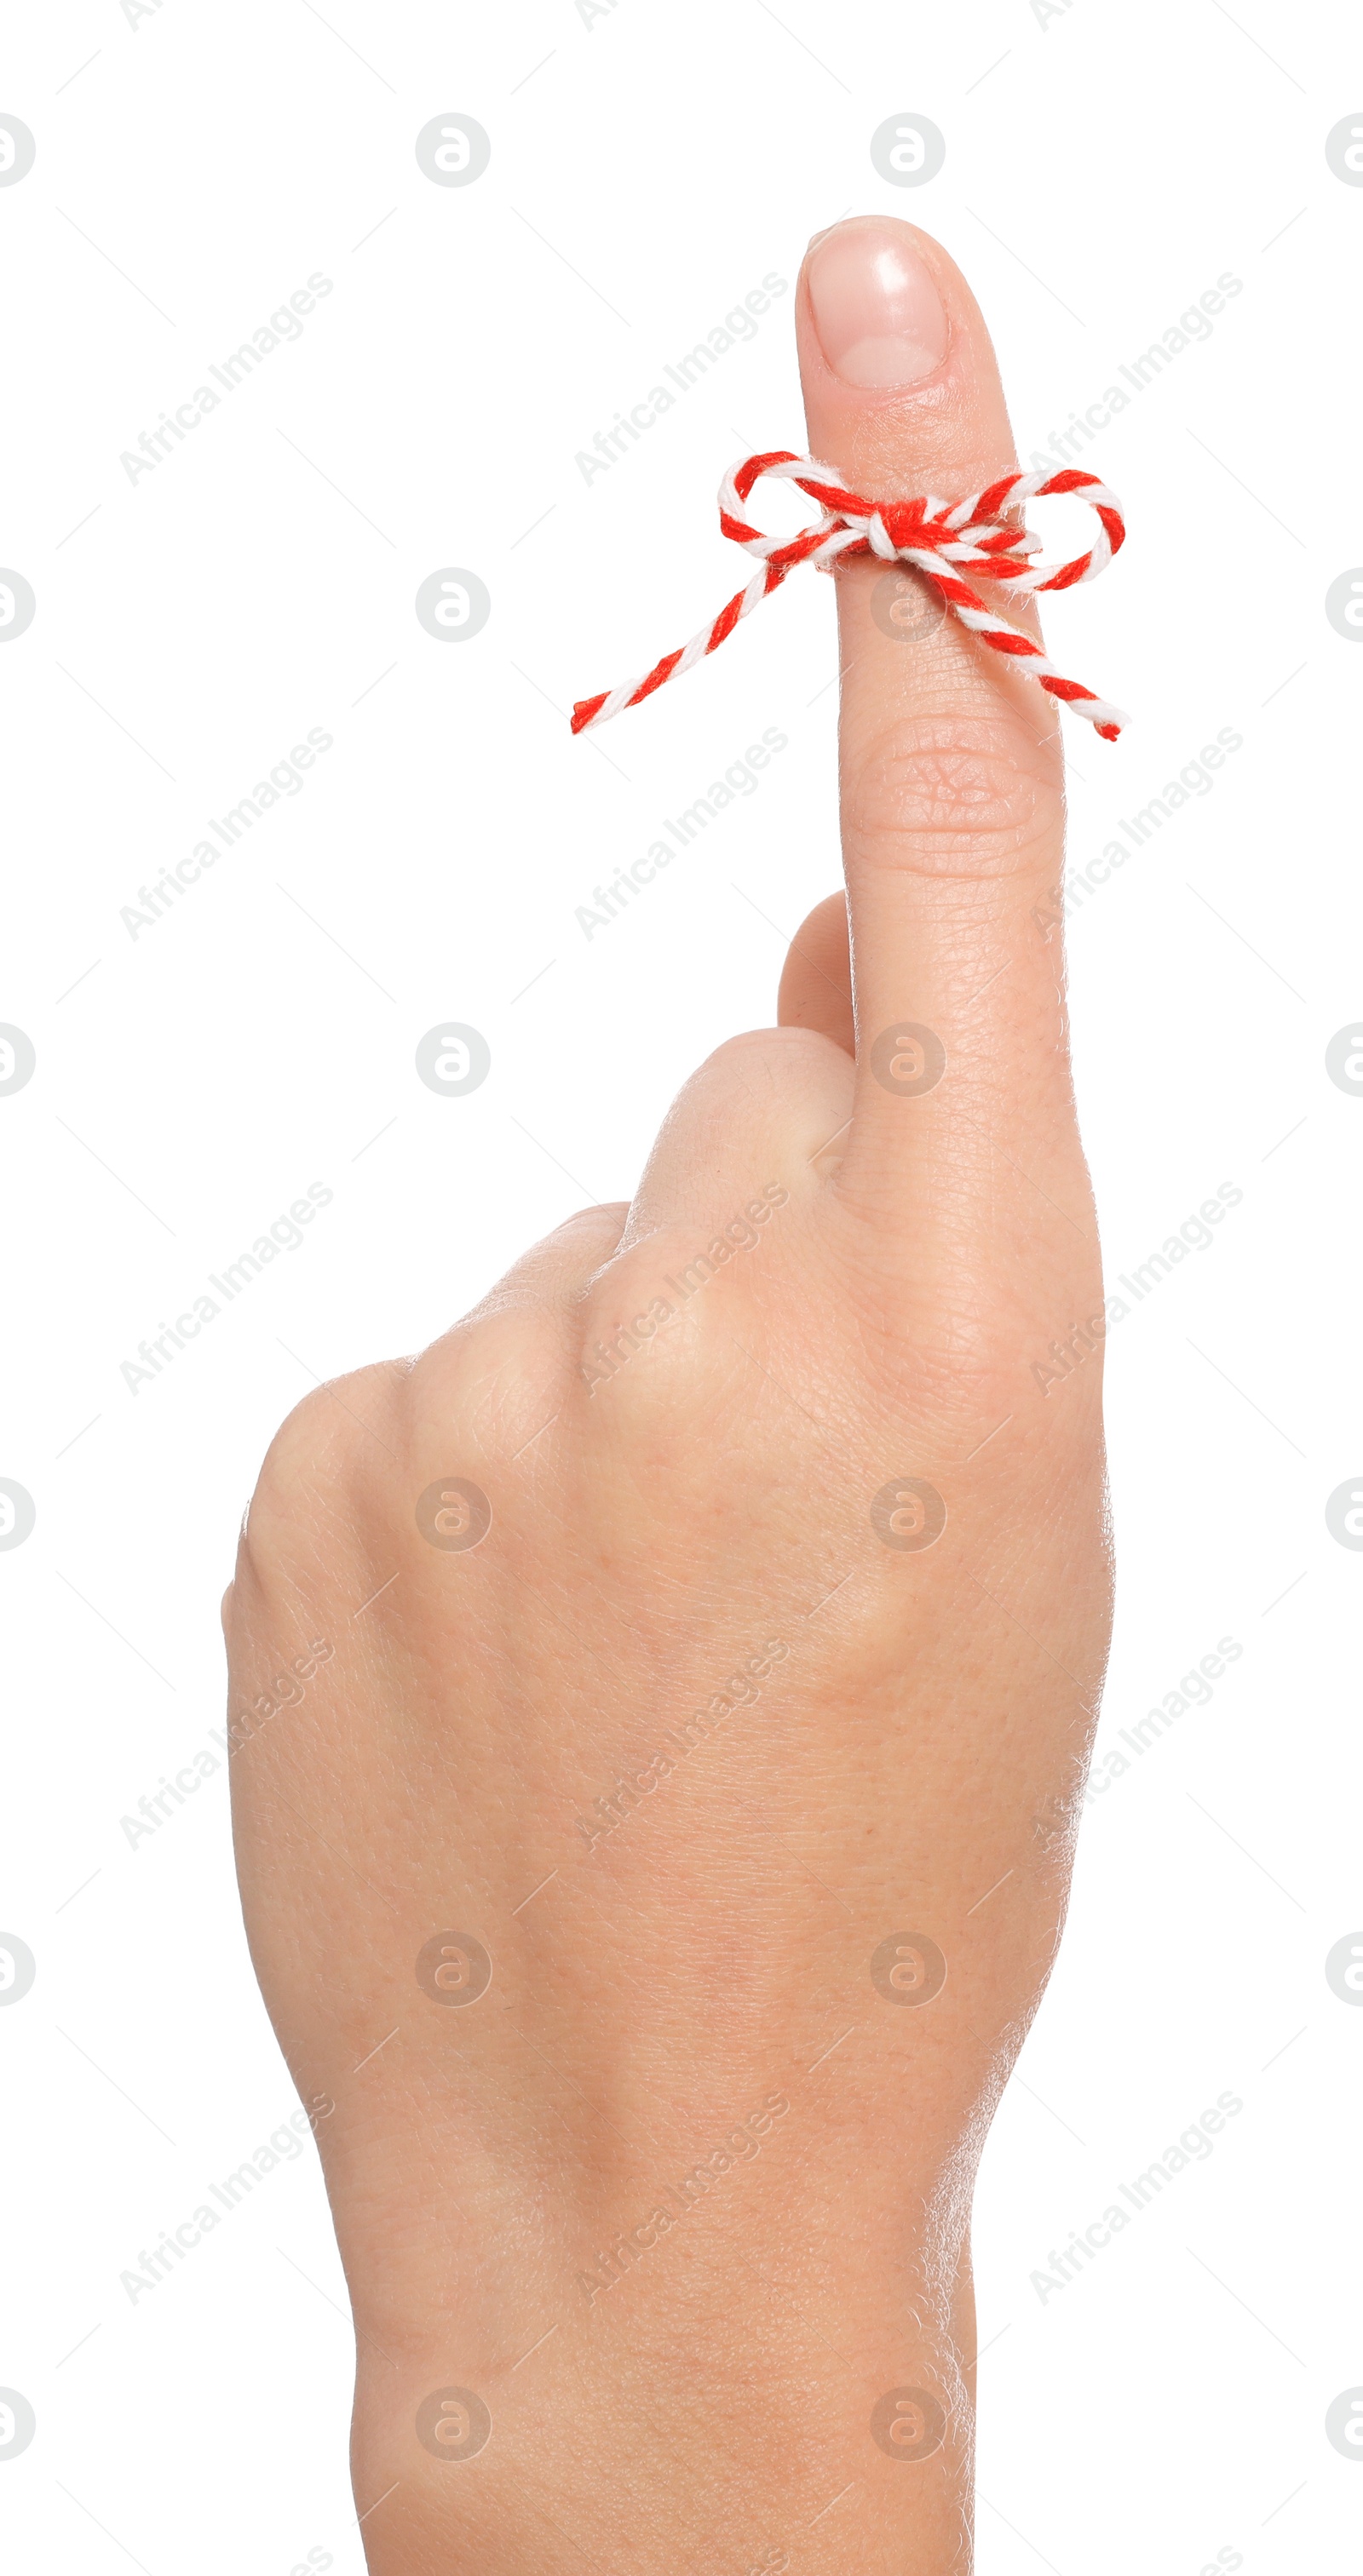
x: 951, y: 770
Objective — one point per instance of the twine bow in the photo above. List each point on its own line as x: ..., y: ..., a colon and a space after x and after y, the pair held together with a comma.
x: 942, y: 539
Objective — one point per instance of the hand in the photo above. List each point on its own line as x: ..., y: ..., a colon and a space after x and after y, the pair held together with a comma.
x: 660, y: 1869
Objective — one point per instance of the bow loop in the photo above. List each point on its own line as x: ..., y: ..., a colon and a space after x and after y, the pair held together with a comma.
x: 941, y: 539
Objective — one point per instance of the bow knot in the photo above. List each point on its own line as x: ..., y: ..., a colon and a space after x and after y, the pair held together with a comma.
x: 944, y: 540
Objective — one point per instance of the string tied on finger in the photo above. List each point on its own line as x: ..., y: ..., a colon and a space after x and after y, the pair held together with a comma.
x: 944, y: 540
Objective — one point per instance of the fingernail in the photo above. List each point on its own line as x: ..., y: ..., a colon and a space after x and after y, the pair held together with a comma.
x: 880, y: 320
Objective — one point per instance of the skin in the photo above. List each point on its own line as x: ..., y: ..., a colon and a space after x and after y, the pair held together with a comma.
x: 908, y: 1760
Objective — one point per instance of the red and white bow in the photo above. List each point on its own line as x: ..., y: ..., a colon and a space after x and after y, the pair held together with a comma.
x: 943, y: 539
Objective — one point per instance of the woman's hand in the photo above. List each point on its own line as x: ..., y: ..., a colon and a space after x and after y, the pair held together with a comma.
x: 668, y: 1848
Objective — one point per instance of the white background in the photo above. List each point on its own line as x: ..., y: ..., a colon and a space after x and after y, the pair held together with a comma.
x: 647, y: 170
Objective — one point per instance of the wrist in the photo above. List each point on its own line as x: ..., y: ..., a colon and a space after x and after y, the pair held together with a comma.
x: 709, y: 2394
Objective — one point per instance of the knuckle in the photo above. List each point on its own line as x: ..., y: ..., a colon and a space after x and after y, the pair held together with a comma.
x: 764, y: 1063
x: 481, y: 1392
x: 754, y: 1110
x: 658, y: 1325
x: 753, y: 1061
x: 956, y: 795
x: 640, y: 1375
x: 318, y: 1463
x: 591, y: 1231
